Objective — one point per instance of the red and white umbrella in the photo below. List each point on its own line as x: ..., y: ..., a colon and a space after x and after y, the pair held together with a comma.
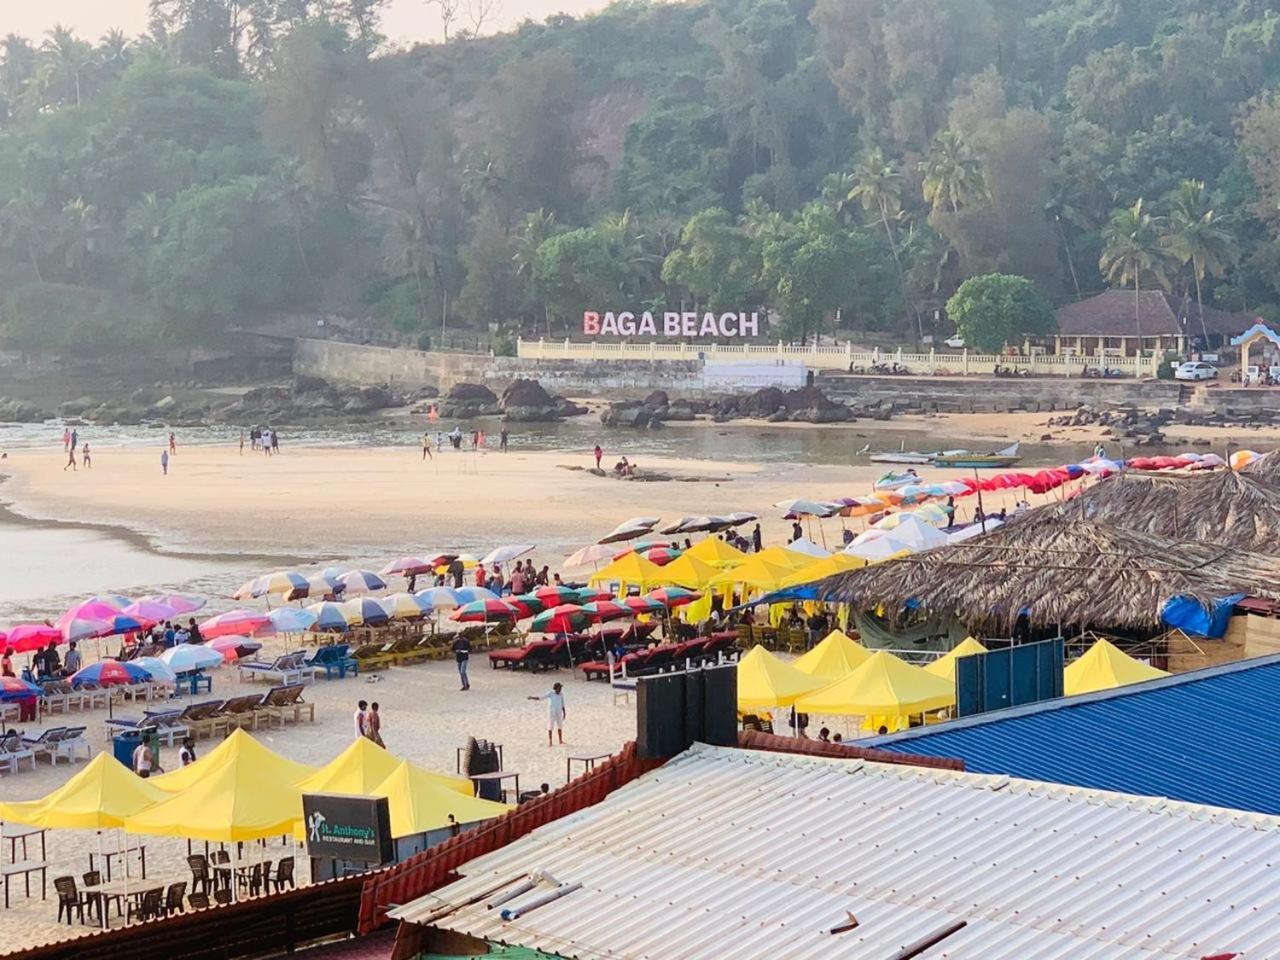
x: 601, y: 611
x: 244, y: 622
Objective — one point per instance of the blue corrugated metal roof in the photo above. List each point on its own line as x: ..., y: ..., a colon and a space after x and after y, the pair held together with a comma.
x: 1211, y: 736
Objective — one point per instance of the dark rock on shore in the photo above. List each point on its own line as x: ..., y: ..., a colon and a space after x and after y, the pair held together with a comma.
x: 567, y: 408
x: 466, y: 400
x: 524, y: 401
x: 20, y: 411
x: 806, y: 405
x: 629, y: 413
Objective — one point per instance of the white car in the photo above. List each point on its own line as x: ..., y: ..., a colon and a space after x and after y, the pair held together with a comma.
x: 1195, y: 370
x: 955, y: 343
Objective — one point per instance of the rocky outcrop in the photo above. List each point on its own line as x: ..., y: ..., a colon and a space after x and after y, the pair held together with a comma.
x: 629, y: 413
x: 807, y: 405
x: 567, y: 408
x: 524, y: 401
x: 20, y: 411
x: 467, y: 400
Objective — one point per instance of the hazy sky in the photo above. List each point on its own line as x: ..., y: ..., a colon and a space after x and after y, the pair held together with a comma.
x: 406, y: 20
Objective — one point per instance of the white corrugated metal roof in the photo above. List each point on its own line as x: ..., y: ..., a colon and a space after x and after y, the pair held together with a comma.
x: 746, y: 854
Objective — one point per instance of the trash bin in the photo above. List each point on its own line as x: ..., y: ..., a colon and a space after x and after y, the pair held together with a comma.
x: 126, y: 741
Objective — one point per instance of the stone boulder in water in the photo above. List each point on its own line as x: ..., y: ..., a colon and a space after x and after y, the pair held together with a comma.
x: 524, y: 401
x: 466, y: 400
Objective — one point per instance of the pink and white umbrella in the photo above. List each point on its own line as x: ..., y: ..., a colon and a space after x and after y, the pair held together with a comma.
x: 149, y: 611
x: 232, y: 646
x: 407, y: 566
x: 179, y: 602
x: 244, y: 622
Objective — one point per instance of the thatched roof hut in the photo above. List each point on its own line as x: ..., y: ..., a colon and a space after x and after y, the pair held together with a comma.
x: 1058, y: 571
x: 1266, y: 469
x: 1235, y: 509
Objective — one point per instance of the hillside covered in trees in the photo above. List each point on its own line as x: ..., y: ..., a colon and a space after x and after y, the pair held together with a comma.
x: 847, y: 163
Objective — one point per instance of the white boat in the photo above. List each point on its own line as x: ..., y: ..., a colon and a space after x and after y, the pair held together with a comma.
x: 902, y: 455
x: 892, y: 481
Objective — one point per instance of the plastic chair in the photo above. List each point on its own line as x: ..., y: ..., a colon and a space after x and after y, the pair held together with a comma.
x: 69, y: 900
x: 173, y: 900
x: 200, y: 876
x: 284, y: 874
x: 150, y: 907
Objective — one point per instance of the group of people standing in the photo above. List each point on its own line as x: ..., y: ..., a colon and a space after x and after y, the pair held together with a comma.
x: 70, y: 444
x: 266, y: 439
x: 524, y: 577
x: 368, y: 722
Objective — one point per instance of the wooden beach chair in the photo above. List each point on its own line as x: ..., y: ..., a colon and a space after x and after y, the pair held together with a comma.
x: 285, y: 704
x: 375, y: 656
x: 204, y: 719
x: 242, y: 711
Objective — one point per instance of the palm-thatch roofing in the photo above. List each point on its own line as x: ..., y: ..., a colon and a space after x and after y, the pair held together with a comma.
x: 1058, y: 571
x: 1266, y: 469
x: 1236, y: 509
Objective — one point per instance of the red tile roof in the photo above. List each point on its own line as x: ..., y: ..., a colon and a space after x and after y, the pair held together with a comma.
x: 1112, y: 314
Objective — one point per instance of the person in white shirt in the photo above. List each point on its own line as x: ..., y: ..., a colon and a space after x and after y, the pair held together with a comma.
x: 358, y: 719
x: 143, y: 759
x: 555, y: 711
x: 187, y: 755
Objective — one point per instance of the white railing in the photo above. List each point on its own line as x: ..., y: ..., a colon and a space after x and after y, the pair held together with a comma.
x: 830, y: 357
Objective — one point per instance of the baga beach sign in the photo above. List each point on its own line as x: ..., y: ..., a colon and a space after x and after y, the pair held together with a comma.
x: 670, y: 323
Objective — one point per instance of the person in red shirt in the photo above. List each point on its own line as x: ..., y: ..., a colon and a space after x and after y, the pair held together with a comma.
x: 598, y: 454
x: 480, y: 575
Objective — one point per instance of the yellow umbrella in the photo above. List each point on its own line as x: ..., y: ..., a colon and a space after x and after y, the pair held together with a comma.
x: 362, y: 766
x: 757, y: 572
x: 716, y: 552
x: 945, y: 667
x: 630, y: 569
x: 688, y: 571
x: 765, y: 682
x: 101, y: 795
x: 241, y: 798
x: 782, y: 557
x: 883, y: 687
x: 419, y: 802
x: 238, y: 744
x: 834, y: 657
x: 1105, y: 667
x: 826, y: 567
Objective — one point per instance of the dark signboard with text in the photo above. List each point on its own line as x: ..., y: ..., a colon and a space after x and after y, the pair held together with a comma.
x: 347, y: 827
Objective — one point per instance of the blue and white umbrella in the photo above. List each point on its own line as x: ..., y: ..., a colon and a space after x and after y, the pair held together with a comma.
x: 364, y: 610
x: 438, y: 598
x: 329, y: 616
x: 291, y: 619
x: 186, y: 657
x: 467, y: 595
x: 361, y: 581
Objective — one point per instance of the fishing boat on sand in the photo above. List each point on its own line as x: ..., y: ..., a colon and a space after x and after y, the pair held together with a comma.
x: 902, y: 455
x: 966, y: 459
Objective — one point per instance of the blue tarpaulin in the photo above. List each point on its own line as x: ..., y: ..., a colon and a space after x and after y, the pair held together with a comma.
x: 1190, y: 617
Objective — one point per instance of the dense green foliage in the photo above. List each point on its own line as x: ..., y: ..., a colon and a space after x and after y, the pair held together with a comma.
x: 995, y: 309
x: 847, y: 164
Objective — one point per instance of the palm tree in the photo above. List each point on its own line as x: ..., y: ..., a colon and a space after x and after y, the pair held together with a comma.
x: 405, y: 251
x: 18, y: 61
x: 66, y: 59
x: 1198, y: 237
x: 1064, y: 213
x: 952, y: 176
x: 539, y: 227
x: 761, y: 220
x: 877, y: 186
x: 114, y: 53
x: 287, y: 186
x: 1133, y: 248
x: 83, y: 230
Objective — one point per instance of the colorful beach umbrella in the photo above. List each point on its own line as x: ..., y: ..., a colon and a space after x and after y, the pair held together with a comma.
x: 471, y: 594
x: 186, y: 657
x: 485, y: 611
x: 361, y: 581
x: 593, y: 554
x: 403, y: 606
x: 407, y: 567
x: 507, y: 553
x: 630, y: 529
x: 438, y: 598
x: 159, y: 671
x: 317, y: 585
x: 281, y: 581
x: 527, y: 604
x: 244, y: 622
x: 110, y: 673
x: 116, y: 600
x: 366, y: 611
x: 289, y: 620
x: 589, y: 594
x: 25, y: 637
x: 602, y: 611
x: 566, y: 618
x: 553, y: 595
x: 179, y: 602
x: 15, y: 688
x: 661, y: 555
x: 672, y: 597
x: 149, y: 611
x: 329, y: 616
x: 233, y: 647
x: 644, y: 605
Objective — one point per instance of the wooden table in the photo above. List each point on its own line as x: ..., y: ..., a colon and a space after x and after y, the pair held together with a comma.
x: 109, y: 855
x: 25, y: 868
x: 497, y: 776
x: 588, y: 761
x: 14, y: 832
x: 109, y: 890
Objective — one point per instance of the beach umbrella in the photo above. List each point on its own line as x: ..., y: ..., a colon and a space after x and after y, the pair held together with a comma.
x: 186, y: 657
x: 361, y: 581
x: 716, y: 552
x: 365, y: 610
x: 553, y: 595
x: 109, y: 673
x: 403, y: 606
x: 672, y: 597
x: 317, y: 585
x: 630, y: 529
x: 244, y: 622
x: 507, y: 554
x: 806, y: 508
x: 472, y: 594
x: 438, y: 598
x: 159, y: 671
x: 661, y: 555
x: 601, y: 611
x: 149, y: 611
x: 15, y: 688
x: 588, y: 594
x: 233, y: 647
x: 116, y: 600
x: 565, y: 618
x: 281, y: 581
x: 246, y: 590
x: 289, y: 620
x: 678, y: 526
x: 644, y: 605
x: 179, y: 602
x: 589, y: 555
x: 527, y: 604
x: 88, y: 610
x: 739, y: 517
x: 25, y: 637
x: 75, y: 628
x: 329, y: 615
x: 407, y: 567
x: 807, y: 548
x: 485, y: 611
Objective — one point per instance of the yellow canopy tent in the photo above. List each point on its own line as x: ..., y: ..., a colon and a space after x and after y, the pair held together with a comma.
x: 1105, y: 667
x: 630, y: 569
x: 716, y: 552
x: 826, y: 567
x: 100, y: 796
x: 419, y: 802
x: 364, y: 765
x: 756, y: 572
x: 782, y: 557
x: 241, y: 798
x: 765, y: 682
x: 945, y: 667
x: 237, y: 745
x: 688, y: 571
x: 834, y: 657
x: 884, y: 690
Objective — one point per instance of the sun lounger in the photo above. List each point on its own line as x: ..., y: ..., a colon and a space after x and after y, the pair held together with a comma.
x: 290, y: 668
x: 167, y: 723
x: 204, y: 719
x: 620, y: 684
x: 12, y: 752
x: 71, y: 746
x: 45, y: 744
x: 242, y: 711
x: 285, y: 704
x: 59, y: 695
x: 534, y: 654
x: 333, y: 659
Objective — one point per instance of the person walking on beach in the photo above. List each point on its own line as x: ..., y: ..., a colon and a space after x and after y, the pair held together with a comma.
x: 66, y: 439
x: 426, y: 446
x: 71, y: 461
x: 164, y: 462
x: 757, y: 540
x: 555, y: 711
x: 242, y: 443
x: 173, y: 443
x: 373, y: 725
x: 275, y: 442
x: 502, y: 440
x: 359, y: 719
x: 84, y: 456
x: 75, y: 439
x: 462, y: 653
x: 144, y: 757
x: 187, y: 755
x: 598, y: 453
